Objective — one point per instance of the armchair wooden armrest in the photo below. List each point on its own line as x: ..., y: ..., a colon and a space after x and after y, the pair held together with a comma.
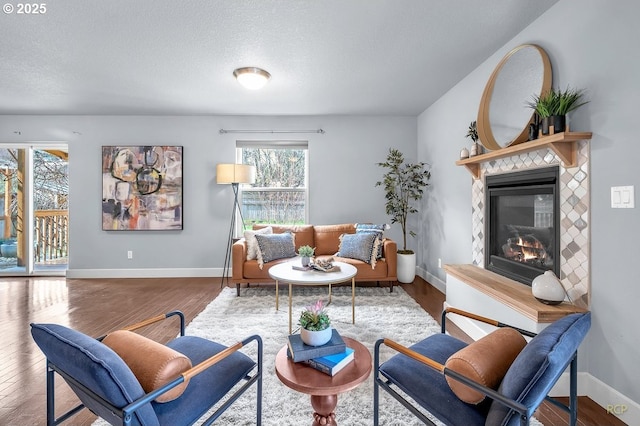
x: 480, y: 318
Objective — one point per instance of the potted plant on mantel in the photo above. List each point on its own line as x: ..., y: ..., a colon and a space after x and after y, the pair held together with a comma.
x: 553, y: 106
x: 315, y: 325
x: 476, y: 147
x: 403, y: 184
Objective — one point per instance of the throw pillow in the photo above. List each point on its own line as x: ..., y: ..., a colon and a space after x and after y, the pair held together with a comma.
x: 362, y: 246
x: 375, y: 229
x: 275, y: 246
x: 153, y: 363
x: 484, y: 361
x: 252, y: 243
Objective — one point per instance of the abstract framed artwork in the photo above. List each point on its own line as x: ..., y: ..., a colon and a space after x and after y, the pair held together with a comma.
x: 141, y: 188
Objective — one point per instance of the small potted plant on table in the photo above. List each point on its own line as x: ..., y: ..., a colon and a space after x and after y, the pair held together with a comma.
x: 315, y: 325
x: 305, y: 253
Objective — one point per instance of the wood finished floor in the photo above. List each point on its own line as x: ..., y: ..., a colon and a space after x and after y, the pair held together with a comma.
x: 96, y: 307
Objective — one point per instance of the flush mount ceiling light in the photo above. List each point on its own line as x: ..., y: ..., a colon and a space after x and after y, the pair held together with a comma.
x: 252, y: 78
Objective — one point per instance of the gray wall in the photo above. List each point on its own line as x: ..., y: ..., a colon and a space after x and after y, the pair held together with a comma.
x: 592, y: 44
x: 342, y: 172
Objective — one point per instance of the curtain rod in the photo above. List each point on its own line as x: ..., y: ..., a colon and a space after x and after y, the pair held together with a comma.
x: 223, y: 131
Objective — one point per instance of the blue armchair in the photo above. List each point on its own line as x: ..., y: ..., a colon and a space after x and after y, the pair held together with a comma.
x: 108, y: 387
x: 420, y: 373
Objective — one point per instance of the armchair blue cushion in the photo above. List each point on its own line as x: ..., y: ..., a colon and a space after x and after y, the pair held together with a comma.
x: 419, y: 373
x: 106, y: 386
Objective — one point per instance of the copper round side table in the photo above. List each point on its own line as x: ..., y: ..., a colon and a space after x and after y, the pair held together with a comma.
x: 324, y: 389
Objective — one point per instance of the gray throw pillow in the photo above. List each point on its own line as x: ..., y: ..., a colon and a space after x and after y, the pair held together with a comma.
x: 362, y: 246
x: 275, y: 246
x: 377, y: 229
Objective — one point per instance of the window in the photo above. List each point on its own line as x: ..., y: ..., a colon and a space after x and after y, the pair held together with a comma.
x: 280, y: 193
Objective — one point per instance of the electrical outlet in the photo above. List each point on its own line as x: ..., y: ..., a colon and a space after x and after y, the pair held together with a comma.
x: 130, y: 254
x: 439, y: 263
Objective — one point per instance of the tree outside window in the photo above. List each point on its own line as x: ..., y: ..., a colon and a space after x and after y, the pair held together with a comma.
x: 279, y: 195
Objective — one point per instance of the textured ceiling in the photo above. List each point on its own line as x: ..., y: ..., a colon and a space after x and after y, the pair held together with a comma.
x: 392, y: 57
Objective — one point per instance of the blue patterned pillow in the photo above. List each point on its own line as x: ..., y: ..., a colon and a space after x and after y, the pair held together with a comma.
x: 362, y: 246
x: 275, y: 246
x: 375, y: 229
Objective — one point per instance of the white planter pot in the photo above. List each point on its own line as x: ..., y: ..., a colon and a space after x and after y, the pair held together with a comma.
x: 316, y: 338
x: 406, y: 268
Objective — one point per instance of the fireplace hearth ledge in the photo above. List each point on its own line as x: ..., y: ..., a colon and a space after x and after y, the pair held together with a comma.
x: 486, y: 293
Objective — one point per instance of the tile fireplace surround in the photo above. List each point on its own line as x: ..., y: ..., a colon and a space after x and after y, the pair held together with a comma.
x: 574, y: 214
x: 574, y: 221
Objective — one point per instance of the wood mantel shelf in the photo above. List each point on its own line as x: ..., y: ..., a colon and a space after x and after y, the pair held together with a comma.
x: 563, y: 144
x: 511, y: 293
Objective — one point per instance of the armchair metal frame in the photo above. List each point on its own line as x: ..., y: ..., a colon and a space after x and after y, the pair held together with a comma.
x: 381, y: 382
x: 126, y: 413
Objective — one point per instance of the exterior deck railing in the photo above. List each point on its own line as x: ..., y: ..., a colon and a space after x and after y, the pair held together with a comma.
x: 51, y: 233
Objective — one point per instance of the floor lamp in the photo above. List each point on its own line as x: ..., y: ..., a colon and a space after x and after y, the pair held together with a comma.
x: 233, y: 174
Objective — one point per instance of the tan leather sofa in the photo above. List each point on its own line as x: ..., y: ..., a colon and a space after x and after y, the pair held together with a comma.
x: 326, y: 240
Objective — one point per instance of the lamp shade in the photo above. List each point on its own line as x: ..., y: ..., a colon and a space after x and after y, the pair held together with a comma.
x: 235, y: 173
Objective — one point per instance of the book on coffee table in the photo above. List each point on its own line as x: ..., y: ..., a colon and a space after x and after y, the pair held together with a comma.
x: 332, y: 364
x: 298, y: 351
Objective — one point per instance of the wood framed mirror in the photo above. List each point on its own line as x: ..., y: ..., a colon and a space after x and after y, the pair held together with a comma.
x: 503, y: 116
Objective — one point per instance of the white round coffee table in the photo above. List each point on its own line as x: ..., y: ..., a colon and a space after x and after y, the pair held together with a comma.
x: 284, y: 272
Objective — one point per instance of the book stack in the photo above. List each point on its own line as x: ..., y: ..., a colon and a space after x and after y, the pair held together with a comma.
x: 329, y: 358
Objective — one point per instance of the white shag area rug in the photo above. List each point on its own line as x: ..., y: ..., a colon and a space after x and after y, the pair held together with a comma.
x: 379, y: 313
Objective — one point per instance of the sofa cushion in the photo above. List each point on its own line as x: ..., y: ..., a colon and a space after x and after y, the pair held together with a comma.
x: 303, y: 234
x: 153, y: 363
x: 327, y: 237
x: 484, y: 361
x: 363, y: 246
x: 252, y: 243
x: 275, y: 246
x: 376, y: 229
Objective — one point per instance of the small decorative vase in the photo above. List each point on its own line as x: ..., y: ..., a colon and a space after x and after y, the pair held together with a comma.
x: 305, y: 260
x: 548, y: 289
x: 316, y: 338
x: 464, y: 153
x: 476, y: 149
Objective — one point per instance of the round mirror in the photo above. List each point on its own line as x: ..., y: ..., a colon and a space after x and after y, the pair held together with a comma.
x: 503, y: 116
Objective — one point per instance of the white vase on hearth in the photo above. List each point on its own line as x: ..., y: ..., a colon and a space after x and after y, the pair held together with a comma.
x: 548, y: 289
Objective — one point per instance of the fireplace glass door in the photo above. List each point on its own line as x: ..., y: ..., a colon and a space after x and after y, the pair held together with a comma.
x: 523, y: 225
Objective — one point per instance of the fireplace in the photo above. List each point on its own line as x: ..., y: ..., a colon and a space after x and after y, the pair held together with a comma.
x: 522, y: 223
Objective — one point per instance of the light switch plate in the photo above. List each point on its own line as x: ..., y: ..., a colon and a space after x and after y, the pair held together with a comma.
x: 622, y: 197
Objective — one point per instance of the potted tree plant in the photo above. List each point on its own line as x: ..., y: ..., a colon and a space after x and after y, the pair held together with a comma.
x: 553, y: 106
x: 403, y: 184
x: 315, y: 325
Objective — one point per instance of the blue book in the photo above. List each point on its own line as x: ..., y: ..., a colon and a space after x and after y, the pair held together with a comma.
x: 332, y: 364
x: 298, y: 351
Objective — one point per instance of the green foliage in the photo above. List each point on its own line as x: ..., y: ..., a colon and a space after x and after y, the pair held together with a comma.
x: 314, y: 318
x: 306, y: 251
x: 403, y: 184
x: 473, y: 131
x: 557, y: 102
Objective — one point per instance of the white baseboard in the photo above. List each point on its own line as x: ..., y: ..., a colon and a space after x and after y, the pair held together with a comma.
x: 616, y: 404
x: 432, y: 279
x: 145, y: 273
